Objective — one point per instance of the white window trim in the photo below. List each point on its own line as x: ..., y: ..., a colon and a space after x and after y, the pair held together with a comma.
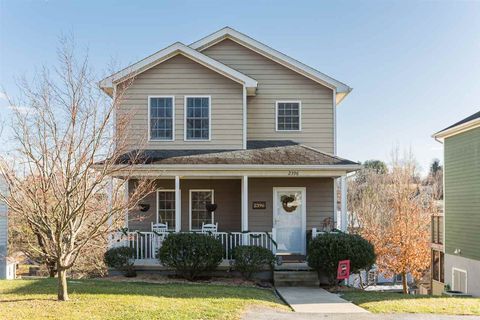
x: 453, y: 278
x: 190, y: 206
x: 209, y: 118
x: 173, y: 119
x: 299, y: 115
x: 157, y: 209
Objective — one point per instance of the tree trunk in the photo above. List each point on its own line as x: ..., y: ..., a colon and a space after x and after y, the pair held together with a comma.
x: 62, y: 285
x: 404, y: 282
x: 52, y: 270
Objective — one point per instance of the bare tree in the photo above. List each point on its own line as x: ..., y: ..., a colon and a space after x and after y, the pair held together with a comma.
x: 392, y: 211
x: 68, y: 174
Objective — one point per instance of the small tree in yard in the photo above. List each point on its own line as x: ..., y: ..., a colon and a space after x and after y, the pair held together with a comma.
x: 392, y: 211
x: 65, y: 154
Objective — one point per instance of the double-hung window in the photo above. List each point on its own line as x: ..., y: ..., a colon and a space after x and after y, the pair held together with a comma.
x: 166, y: 207
x: 197, y: 118
x: 161, y: 118
x: 198, y: 211
x: 288, y: 116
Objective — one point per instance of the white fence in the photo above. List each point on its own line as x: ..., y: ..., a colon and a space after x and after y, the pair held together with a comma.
x: 146, y: 244
x: 316, y: 232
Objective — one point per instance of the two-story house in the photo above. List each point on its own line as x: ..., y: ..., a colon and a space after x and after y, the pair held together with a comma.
x: 461, y: 261
x: 232, y: 122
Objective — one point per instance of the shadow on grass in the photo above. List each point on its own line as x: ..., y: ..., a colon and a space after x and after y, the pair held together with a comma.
x: 106, y: 287
x: 32, y: 299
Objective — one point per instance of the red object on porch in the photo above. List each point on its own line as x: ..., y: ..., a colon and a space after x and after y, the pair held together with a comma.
x: 343, y: 271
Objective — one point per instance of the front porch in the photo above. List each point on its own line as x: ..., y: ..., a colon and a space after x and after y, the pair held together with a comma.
x: 269, y: 194
x: 249, y: 211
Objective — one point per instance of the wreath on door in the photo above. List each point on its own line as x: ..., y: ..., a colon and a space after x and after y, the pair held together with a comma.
x: 287, y: 203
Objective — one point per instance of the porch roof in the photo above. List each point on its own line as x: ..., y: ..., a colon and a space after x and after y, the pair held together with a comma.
x: 264, y: 152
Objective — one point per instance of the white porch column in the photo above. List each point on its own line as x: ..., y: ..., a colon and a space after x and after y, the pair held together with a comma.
x: 335, y: 204
x: 344, y: 218
x: 127, y: 195
x: 178, y: 205
x: 245, y: 207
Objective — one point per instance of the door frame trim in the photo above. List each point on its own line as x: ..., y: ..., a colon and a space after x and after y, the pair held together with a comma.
x: 303, y: 190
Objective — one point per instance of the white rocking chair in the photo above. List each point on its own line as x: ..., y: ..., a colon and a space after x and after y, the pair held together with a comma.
x: 160, y: 227
x: 209, y: 227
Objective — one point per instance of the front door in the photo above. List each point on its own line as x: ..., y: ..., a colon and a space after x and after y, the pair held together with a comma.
x: 289, y: 215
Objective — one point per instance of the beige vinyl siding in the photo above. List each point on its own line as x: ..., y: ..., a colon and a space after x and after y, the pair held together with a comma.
x: 227, y: 195
x: 276, y: 82
x: 180, y: 76
x: 319, y: 194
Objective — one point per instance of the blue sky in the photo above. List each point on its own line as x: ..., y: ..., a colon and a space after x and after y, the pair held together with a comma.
x: 414, y: 66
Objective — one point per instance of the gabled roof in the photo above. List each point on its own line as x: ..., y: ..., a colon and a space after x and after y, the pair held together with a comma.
x: 169, y: 52
x: 264, y: 153
x: 341, y: 89
x: 468, y: 123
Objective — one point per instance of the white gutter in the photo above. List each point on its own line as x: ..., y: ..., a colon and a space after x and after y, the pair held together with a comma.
x: 472, y: 124
x: 259, y: 167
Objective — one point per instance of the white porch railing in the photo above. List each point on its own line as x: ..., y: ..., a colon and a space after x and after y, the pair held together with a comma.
x: 146, y: 244
x: 316, y: 232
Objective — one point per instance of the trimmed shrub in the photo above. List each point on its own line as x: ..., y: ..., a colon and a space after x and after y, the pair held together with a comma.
x: 120, y: 258
x: 251, y: 259
x: 327, y: 249
x: 191, y: 254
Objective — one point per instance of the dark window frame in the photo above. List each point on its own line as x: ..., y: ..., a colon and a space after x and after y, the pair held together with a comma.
x: 286, y: 118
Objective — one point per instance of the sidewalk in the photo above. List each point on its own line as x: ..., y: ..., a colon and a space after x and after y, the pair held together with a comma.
x: 316, y: 300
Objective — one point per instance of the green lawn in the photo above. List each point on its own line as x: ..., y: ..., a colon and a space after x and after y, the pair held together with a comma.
x: 388, y: 302
x: 103, y: 299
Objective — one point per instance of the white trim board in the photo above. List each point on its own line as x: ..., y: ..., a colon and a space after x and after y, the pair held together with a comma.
x: 303, y: 190
x: 341, y: 89
x: 475, y: 123
x: 169, y: 52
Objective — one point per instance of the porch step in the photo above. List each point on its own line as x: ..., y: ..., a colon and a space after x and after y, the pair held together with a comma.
x: 301, y: 278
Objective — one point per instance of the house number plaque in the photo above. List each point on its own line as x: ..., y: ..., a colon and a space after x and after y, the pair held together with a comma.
x: 259, y: 205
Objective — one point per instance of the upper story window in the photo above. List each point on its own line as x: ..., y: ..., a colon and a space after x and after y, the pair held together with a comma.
x: 161, y: 118
x: 288, y: 116
x: 198, y: 118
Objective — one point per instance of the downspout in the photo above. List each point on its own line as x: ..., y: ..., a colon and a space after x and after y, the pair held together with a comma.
x: 244, y: 115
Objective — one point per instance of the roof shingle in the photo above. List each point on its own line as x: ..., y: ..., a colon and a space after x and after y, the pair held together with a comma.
x: 264, y: 152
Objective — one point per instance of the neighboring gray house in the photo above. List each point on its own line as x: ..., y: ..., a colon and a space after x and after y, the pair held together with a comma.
x: 3, y: 232
x: 230, y: 121
x: 458, y: 265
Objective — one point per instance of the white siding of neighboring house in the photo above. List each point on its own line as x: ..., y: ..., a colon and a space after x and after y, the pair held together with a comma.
x: 3, y: 233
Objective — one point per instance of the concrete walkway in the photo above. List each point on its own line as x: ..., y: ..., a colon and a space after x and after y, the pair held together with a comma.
x: 316, y: 300
x: 264, y: 313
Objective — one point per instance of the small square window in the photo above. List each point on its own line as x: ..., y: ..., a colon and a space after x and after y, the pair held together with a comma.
x: 288, y: 115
